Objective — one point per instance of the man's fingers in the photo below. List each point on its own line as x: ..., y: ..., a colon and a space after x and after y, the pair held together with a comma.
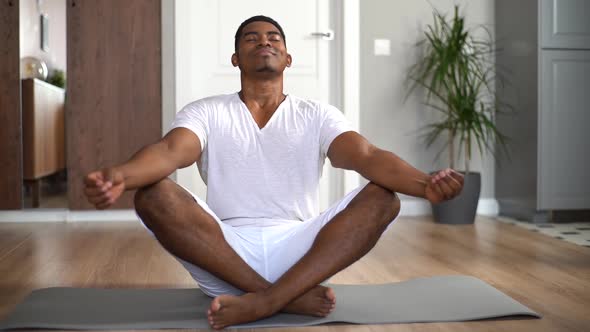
x: 437, y: 188
x: 447, y: 191
x: 93, y: 179
x: 99, y: 199
x: 447, y: 183
x: 453, y: 184
x: 453, y: 178
x: 97, y: 193
x: 98, y: 188
x: 108, y: 201
x: 104, y: 205
x: 457, y: 176
x: 94, y: 191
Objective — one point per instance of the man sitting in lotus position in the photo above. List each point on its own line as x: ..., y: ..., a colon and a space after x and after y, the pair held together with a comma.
x: 259, y: 245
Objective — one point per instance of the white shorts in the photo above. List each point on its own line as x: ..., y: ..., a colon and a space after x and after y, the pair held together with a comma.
x: 270, y: 246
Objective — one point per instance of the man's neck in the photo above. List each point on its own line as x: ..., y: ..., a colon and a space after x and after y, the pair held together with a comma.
x: 262, y: 94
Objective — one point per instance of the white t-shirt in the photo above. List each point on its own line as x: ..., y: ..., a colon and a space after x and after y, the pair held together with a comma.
x: 268, y: 173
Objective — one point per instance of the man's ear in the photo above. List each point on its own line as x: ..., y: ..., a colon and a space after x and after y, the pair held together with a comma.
x: 234, y: 60
x: 289, y: 60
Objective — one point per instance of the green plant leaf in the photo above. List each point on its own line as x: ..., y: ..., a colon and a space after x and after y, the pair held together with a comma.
x: 460, y: 78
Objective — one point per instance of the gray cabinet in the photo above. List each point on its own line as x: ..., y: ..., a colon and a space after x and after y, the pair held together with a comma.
x: 545, y: 53
x: 564, y: 140
x: 565, y: 24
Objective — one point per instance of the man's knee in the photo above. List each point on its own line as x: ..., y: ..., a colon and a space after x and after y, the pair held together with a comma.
x: 385, y: 205
x: 396, y: 206
x: 150, y: 200
x: 389, y: 207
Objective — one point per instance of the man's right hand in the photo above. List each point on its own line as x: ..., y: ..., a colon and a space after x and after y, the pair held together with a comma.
x: 102, y: 188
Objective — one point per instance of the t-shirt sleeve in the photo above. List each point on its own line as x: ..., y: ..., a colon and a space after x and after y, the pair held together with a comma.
x: 333, y: 124
x: 194, y: 117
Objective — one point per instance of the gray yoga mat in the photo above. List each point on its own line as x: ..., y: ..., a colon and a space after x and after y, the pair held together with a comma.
x: 434, y: 299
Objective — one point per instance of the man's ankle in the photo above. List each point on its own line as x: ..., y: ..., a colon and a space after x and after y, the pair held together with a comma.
x: 264, y: 306
x: 273, y: 302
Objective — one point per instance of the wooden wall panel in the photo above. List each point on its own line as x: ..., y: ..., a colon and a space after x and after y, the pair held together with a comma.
x: 113, y: 102
x: 11, y: 178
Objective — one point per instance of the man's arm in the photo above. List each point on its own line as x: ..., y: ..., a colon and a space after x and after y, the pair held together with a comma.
x: 178, y: 149
x: 352, y: 151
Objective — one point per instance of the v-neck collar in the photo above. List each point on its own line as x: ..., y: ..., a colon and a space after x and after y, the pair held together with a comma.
x: 253, y: 121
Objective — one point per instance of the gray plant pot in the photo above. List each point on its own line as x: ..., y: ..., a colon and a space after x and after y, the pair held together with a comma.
x: 461, y: 209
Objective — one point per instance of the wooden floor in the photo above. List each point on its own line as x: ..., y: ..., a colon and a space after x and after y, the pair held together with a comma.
x: 548, y: 275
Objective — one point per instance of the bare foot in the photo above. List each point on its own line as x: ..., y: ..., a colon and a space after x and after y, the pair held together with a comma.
x: 229, y: 310
x: 319, y: 301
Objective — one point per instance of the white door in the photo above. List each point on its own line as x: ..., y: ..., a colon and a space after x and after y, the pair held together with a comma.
x: 204, y: 44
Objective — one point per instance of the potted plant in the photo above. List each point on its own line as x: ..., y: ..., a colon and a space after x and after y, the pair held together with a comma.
x: 458, y: 75
x: 58, y: 78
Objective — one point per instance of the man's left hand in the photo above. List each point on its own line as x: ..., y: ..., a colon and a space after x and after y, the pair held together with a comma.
x: 444, y: 185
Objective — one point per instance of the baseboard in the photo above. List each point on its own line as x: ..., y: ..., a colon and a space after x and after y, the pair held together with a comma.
x: 65, y: 215
x: 488, y: 207
x: 410, y: 207
x: 415, y: 207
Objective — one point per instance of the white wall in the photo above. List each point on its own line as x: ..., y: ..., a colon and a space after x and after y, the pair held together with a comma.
x: 386, y: 120
x: 30, y: 39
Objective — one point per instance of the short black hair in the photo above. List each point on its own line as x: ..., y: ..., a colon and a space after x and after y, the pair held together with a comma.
x: 257, y: 18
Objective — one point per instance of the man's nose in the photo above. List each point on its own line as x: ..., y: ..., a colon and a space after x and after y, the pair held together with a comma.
x: 263, y: 41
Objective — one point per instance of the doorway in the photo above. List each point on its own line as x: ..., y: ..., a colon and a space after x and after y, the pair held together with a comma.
x: 42, y: 39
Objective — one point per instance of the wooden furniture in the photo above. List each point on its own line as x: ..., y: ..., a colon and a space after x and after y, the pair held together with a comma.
x: 545, y: 51
x: 43, y: 132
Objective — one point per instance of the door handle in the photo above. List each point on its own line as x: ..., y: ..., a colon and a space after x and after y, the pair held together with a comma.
x: 327, y: 35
